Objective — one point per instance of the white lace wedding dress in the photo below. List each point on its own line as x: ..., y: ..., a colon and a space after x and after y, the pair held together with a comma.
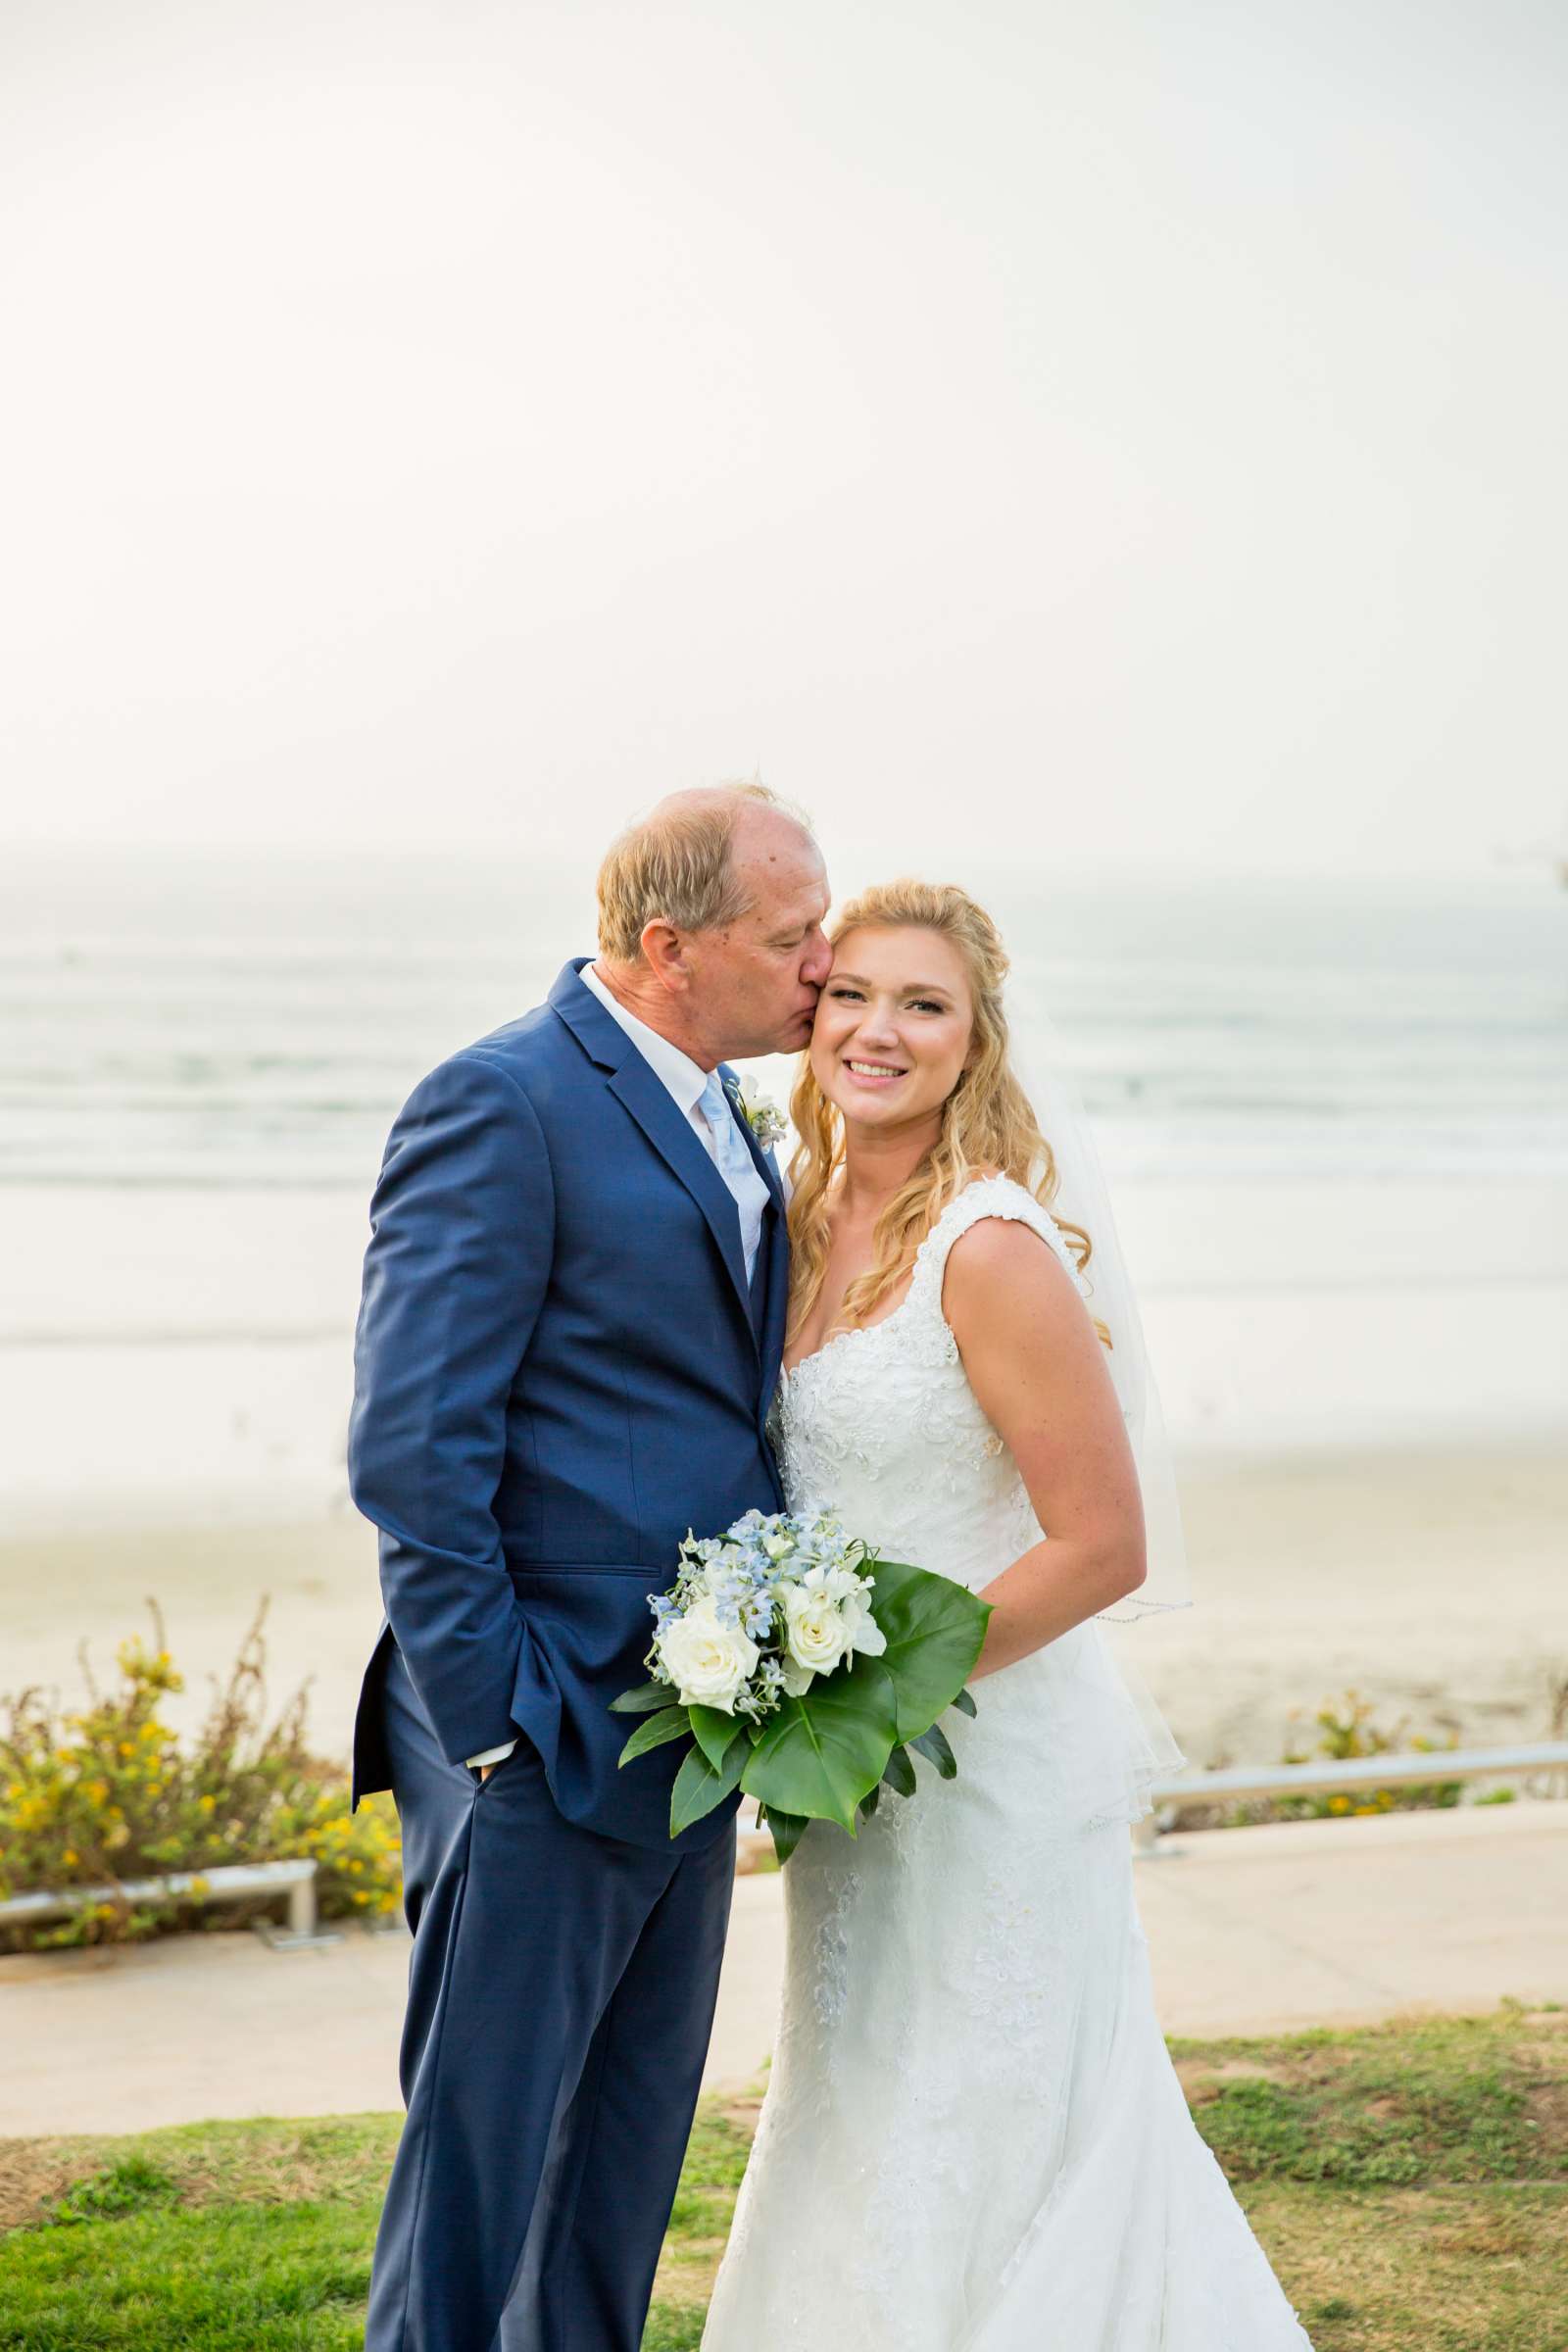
x: 973, y: 2139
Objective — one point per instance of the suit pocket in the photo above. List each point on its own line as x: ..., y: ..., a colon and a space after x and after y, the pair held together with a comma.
x: 518, y: 1760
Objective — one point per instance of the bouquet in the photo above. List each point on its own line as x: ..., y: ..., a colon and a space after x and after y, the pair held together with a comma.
x: 803, y: 1668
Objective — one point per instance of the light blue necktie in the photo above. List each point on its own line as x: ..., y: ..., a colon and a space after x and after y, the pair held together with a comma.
x: 735, y: 1162
x: 733, y: 1159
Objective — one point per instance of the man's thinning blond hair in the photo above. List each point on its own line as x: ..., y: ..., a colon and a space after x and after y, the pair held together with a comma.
x: 675, y: 866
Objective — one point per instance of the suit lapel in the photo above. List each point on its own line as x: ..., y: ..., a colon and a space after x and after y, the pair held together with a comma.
x: 672, y: 1138
x: 775, y: 1241
x: 634, y: 1082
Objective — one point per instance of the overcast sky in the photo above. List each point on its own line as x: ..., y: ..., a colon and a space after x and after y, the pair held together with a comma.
x: 1127, y: 430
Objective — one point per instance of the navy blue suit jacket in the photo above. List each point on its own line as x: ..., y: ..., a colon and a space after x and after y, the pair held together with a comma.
x: 559, y: 1368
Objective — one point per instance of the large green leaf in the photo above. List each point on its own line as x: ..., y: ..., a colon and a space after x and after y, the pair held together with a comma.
x: 934, y: 1630
x: 698, y: 1788
x: 646, y: 1699
x: 654, y: 1731
x: 819, y: 1754
x: 714, y: 1731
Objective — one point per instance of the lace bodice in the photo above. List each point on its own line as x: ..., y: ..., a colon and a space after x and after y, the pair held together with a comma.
x: 882, y: 1424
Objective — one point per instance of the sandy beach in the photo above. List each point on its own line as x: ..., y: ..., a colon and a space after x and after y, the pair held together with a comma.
x: 1429, y: 1580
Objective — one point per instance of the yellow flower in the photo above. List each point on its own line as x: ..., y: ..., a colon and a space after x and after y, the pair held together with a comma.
x: 70, y: 1857
x: 1338, y: 1804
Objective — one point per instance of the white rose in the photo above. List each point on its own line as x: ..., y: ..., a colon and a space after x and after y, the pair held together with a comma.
x: 814, y: 1631
x: 710, y: 1663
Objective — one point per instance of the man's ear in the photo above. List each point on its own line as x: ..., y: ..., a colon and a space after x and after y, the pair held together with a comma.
x: 665, y: 950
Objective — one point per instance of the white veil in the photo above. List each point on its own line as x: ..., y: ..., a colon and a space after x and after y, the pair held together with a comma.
x: 1082, y: 1198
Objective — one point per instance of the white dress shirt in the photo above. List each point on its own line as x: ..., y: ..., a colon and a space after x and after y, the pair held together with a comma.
x: 684, y: 1081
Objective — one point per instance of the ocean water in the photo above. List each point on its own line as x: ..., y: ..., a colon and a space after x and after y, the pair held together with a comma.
x: 190, y: 1022
x: 1335, y: 1124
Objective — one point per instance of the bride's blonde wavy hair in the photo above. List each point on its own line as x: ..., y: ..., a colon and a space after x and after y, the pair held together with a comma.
x: 988, y: 1126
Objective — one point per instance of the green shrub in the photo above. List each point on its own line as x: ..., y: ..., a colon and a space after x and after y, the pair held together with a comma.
x: 109, y: 1794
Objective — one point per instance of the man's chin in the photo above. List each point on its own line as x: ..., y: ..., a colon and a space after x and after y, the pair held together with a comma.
x: 790, y: 1040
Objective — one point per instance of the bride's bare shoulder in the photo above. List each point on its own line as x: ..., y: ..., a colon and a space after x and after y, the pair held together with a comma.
x: 997, y: 1240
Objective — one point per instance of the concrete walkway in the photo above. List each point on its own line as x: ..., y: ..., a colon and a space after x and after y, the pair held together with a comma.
x: 1251, y: 1931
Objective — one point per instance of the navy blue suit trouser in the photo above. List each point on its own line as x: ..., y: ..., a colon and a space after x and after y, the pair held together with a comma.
x: 560, y: 1997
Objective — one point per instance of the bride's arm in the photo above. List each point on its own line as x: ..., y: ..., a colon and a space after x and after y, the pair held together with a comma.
x: 1038, y: 1367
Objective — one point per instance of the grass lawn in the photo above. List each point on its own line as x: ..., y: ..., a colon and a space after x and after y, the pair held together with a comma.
x: 1410, y: 2184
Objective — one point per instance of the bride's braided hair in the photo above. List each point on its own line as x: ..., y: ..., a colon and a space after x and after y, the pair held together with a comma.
x: 987, y: 1122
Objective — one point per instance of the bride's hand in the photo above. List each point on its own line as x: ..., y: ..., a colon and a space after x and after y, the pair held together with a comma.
x: 1037, y: 1365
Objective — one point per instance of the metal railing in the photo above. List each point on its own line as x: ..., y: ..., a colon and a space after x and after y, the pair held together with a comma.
x: 1333, y: 1775
x: 228, y: 1883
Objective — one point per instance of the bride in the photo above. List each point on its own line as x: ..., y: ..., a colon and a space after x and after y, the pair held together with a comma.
x: 973, y: 2139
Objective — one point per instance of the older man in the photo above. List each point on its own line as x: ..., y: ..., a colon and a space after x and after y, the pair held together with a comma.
x: 572, y: 1319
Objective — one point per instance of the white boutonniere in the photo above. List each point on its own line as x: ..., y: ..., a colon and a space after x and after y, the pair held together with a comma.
x: 764, y: 1118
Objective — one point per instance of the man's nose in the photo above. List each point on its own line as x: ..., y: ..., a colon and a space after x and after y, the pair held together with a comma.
x: 817, y: 963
